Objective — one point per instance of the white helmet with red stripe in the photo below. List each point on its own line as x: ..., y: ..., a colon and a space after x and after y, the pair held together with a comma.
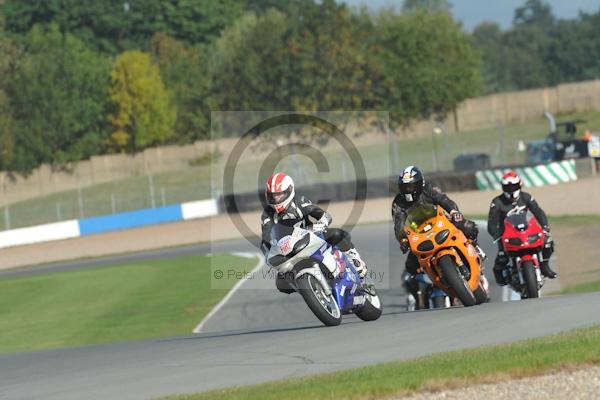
x: 280, y: 191
x: 511, y: 185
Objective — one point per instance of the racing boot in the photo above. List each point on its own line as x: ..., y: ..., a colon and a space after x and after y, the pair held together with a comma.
x: 546, y: 270
x: 500, y: 268
x: 500, y: 277
x: 360, y: 265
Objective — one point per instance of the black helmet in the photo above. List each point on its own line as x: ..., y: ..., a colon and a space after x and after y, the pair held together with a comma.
x: 410, y: 184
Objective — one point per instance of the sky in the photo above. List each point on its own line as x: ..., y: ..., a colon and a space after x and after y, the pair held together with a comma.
x: 473, y: 12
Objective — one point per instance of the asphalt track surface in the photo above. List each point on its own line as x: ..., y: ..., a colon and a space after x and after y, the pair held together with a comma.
x: 261, y: 335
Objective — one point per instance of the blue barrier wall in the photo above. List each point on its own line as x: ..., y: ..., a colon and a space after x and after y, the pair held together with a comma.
x: 132, y: 219
x: 105, y: 223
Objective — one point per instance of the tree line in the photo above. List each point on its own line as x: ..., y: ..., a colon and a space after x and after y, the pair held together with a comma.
x: 539, y: 50
x: 84, y: 78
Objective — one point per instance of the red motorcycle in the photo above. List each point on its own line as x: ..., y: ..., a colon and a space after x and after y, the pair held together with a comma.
x: 523, y: 240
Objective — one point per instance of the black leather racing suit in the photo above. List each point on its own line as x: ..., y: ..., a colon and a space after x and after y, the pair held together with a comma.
x: 501, y: 205
x: 301, y: 213
x: 434, y: 195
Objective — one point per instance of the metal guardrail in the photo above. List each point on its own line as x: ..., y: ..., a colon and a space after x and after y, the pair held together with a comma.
x: 348, y: 191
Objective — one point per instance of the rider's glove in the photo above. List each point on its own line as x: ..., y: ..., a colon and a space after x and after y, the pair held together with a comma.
x: 456, y: 216
x: 318, y: 227
x: 404, y: 247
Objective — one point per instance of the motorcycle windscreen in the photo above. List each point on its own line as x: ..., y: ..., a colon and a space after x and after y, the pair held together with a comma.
x: 279, y: 231
x: 418, y: 214
x: 518, y: 221
x: 284, y: 244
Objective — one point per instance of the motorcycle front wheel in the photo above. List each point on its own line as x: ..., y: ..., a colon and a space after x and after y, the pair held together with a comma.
x: 481, y: 295
x: 456, y: 281
x: 322, y: 305
x: 529, y: 275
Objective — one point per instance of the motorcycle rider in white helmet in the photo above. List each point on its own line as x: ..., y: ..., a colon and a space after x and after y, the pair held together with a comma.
x: 514, y: 199
x: 283, y: 206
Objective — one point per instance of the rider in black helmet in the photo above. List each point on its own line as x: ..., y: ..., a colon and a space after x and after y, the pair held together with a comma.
x: 412, y: 187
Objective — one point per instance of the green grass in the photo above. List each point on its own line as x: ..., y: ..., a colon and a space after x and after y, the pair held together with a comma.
x: 582, y: 288
x: 456, y: 368
x: 203, y: 181
x: 138, y: 300
x: 574, y: 220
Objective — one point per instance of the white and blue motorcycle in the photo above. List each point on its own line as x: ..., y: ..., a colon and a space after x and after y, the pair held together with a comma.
x: 324, y: 276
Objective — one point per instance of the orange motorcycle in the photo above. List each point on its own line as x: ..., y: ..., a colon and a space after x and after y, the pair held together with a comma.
x: 444, y: 253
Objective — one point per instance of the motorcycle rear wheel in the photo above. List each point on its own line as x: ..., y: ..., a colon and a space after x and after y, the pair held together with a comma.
x: 456, y: 281
x: 371, y: 310
x: 438, y: 302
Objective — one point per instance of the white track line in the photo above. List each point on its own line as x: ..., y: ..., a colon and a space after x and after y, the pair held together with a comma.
x: 261, y: 261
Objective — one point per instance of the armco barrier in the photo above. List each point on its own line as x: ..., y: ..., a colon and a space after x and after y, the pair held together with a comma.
x: 333, y: 192
x: 346, y: 191
x: 533, y: 176
x: 320, y: 193
x: 105, y: 223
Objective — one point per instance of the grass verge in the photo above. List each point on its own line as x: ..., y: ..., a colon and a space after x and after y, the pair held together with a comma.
x: 574, y: 220
x: 444, y: 370
x: 582, y: 288
x: 137, y: 300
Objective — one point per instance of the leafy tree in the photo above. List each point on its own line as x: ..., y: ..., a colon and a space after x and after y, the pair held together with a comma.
x: 534, y: 13
x: 200, y: 21
x: 426, y: 5
x: 10, y: 53
x: 58, y: 100
x: 331, y: 55
x: 312, y: 58
x: 524, y: 62
x: 260, y: 6
x: 574, y: 50
x: 185, y: 73
x: 114, y: 26
x: 247, y: 64
x: 143, y: 113
x: 487, y: 38
x: 426, y: 65
x: 322, y: 57
x: 528, y: 55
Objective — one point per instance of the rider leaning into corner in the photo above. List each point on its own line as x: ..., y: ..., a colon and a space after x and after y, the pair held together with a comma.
x: 513, y: 199
x: 284, y: 207
x: 412, y: 187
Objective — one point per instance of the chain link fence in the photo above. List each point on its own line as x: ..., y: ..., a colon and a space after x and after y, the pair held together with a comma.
x: 504, y: 145
x: 89, y: 202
